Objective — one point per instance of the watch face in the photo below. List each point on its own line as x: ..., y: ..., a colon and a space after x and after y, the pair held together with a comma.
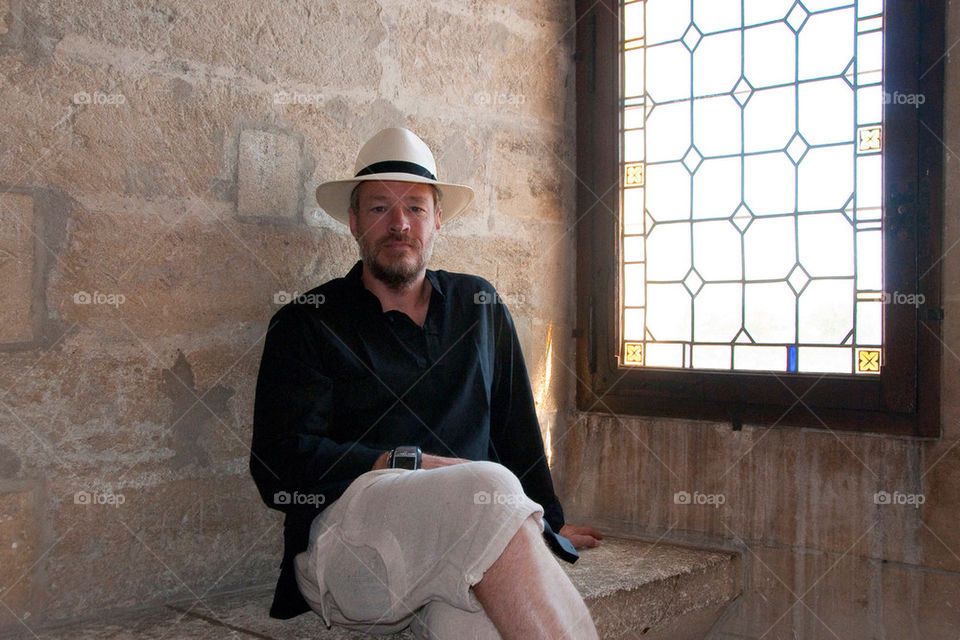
x: 406, y: 458
x: 404, y: 461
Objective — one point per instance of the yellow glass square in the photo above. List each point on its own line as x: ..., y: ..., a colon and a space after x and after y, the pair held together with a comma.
x: 633, y: 175
x: 633, y: 353
x: 868, y: 361
x: 869, y: 138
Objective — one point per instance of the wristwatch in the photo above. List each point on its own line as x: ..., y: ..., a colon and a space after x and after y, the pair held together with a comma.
x: 405, y: 458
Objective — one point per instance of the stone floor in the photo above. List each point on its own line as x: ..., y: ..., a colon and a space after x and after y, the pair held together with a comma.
x: 633, y: 589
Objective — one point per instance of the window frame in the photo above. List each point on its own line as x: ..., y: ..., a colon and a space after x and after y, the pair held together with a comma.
x: 905, y: 398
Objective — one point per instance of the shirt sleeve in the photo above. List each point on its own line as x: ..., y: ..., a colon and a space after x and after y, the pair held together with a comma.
x: 291, y: 449
x: 514, y: 427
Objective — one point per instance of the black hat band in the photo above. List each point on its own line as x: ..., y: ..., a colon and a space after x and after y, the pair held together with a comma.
x: 396, y: 166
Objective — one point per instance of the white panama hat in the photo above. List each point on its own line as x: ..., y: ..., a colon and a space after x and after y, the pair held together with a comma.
x: 394, y: 154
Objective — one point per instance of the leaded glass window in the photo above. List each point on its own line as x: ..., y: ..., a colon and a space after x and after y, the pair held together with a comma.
x: 751, y: 140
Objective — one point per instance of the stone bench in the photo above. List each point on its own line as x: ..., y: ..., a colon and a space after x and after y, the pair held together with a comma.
x: 634, y: 589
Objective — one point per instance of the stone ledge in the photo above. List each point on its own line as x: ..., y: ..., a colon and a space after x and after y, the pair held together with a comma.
x: 633, y: 588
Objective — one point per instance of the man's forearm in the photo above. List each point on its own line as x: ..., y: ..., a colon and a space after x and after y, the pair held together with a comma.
x: 427, y: 461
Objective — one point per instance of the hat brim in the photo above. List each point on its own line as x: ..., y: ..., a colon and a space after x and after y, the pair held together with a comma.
x: 334, y: 196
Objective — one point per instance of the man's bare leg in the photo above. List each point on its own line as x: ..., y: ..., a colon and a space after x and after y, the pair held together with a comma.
x: 528, y: 596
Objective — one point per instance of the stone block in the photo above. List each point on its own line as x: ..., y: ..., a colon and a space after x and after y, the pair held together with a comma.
x: 11, y: 24
x: 17, y: 268
x: 938, y: 535
x: 268, y: 175
x: 530, y: 177
x: 766, y: 608
x: 99, y: 135
x: 151, y: 544
x: 920, y: 603
x: 187, y: 275
x: 838, y: 595
x: 505, y: 82
x: 21, y: 548
x: 763, y: 474
x: 333, y: 46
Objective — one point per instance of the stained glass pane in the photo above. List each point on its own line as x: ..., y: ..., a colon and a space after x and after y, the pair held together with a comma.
x: 752, y: 358
x: 716, y: 64
x: 668, y: 132
x: 818, y: 61
x: 825, y: 178
x: 716, y: 188
x: 717, y: 316
x: 668, y: 251
x: 710, y: 356
x: 769, y: 55
x: 752, y: 202
x: 824, y: 359
x: 633, y: 72
x: 664, y: 355
x: 826, y: 244
x: 632, y: 21
x: 770, y: 312
x: 716, y: 15
x: 668, y: 193
x: 718, y: 130
x: 633, y: 324
x: 769, y: 119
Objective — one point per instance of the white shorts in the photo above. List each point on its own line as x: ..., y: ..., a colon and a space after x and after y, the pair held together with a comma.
x: 397, y: 541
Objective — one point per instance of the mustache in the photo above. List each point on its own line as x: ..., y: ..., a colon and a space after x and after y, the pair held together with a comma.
x: 399, y: 237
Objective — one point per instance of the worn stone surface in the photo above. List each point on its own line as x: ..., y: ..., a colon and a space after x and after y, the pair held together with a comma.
x: 17, y: 265
x: 22, y: 537
x: 631, y: 587
x: 268, y: 175
x: 137, y: 540
x: 796, y: 498
x: 173, y: 149
x: 920, y: 603
x: 937, y: 530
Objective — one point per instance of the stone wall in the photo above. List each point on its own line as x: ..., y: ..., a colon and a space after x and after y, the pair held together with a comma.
x: 822, y: 558
x: 157, y: 165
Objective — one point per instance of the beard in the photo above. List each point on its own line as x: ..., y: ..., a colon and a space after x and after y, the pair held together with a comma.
x: 400, y: 272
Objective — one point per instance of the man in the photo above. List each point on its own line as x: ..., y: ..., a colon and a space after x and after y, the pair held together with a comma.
x: 395, y: 427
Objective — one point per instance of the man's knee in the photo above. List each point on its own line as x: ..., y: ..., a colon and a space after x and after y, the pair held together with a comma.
x: 493, y: 484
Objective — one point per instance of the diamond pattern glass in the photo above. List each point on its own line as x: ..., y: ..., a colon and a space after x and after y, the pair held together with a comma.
x: 752, y: 220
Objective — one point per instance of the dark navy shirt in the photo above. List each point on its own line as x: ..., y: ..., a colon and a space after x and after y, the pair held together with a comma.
x: 341, y: 381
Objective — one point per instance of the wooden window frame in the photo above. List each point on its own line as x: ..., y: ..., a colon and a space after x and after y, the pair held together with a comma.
x: 905, y: 398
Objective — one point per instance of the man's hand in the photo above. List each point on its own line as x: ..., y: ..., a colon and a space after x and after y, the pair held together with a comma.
x: 581, y: 537
x: 427, y: 461
x: 382, y: 461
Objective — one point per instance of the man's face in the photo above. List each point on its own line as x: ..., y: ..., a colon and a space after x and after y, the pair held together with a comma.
x: 395, y: 227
